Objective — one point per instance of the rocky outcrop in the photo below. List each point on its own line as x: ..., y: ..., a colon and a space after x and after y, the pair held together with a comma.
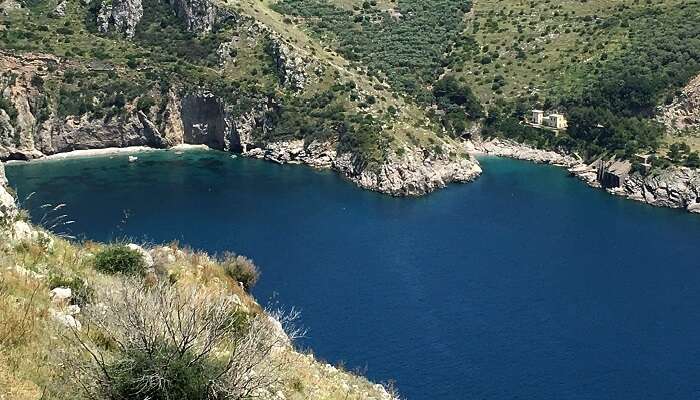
x: 289, y: 66
x: 199, y: 16
x: 8, y: 208
x: 119, y: 16
x: 673, y: 187
x: 511, y: 149
x: 682, y: 116
x: 414, y: 173
x: 60, y: 10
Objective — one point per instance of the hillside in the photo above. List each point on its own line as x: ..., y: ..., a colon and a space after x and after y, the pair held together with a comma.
x: 233, y: 76
x: 386, y: 93
x: 162, y: 312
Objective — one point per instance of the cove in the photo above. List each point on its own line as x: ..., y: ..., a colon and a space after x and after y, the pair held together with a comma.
x: 524, y: 284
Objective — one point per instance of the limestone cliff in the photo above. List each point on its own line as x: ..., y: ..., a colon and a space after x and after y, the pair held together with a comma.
x: 289, y: 66
x: 197, y: 116
x: 199, y: 16
x: 8, y: 209
x: 119, y: 16
x: 682, y: 116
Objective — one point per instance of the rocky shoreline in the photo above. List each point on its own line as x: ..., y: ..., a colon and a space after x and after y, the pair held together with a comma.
x: 412, y: 174
x: 674, y: 187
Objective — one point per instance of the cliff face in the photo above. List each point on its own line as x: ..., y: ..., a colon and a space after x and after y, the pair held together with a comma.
x: 683, y: 114
x: 200, y: 117
x: 199, y: 16
x: 8, y: 209
x: 119, y: 16
x: 675, y: 187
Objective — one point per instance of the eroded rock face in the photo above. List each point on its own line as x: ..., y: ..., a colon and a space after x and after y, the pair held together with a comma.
x: 120, y: 16
x: 675, y: 187
x: 204, y: 122
x: 198, y: 15
x: 414, y: 173
x: 289, y: 65
x: 8, y: 208
x: 200, y: 117
x: 683, y: 115
x: 60, y: 10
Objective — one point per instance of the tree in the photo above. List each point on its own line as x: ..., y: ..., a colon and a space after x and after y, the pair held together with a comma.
x: 693, y: 160
x: 677, y: 152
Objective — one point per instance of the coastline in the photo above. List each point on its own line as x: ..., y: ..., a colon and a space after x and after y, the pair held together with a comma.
x: 674, y: 187
x: 109, y: 151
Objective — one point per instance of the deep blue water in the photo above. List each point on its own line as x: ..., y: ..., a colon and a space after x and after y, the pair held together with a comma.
x: 525, y: 284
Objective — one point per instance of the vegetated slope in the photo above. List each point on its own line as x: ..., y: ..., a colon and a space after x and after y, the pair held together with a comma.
x: 238, y: 76
x: 627, y: 59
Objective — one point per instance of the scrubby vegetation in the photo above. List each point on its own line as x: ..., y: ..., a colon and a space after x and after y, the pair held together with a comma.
x: 120, y: 259
x: 241, y: 269
x: 611, y: 99
x: 185, y: 331
x: 405, y: 44
x: 174, y: 342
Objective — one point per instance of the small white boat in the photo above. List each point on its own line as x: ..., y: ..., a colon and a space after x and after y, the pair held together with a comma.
x: 133, y: 158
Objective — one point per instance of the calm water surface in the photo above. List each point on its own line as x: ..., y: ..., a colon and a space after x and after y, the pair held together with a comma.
x: 525, y: 284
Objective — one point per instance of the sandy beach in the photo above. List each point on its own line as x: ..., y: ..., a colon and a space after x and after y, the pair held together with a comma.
x: 111, y: 151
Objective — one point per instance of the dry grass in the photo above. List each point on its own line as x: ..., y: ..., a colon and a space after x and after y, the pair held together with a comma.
x: 31, y: 352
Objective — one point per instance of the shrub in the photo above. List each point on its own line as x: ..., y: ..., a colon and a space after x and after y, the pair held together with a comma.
x: 119, y: 259
x: 241, y: 269
x: 174, y: 342
x: 145, y: 103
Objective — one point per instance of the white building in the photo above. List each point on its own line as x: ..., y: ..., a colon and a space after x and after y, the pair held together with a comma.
x: 537, y: 117
x: 557, y: 121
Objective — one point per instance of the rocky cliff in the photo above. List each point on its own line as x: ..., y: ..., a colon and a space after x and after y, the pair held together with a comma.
x: 674, y: 187
x: 199, y: 16
x: 8, y: 209
x: 119, y: 16
x: 200, y: 117
x: 682, y: 116
x: 289, y: 66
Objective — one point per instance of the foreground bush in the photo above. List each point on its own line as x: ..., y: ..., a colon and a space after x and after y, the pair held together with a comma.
x: 241, y: 269
x: 119, y: 259
x: 169, y: 342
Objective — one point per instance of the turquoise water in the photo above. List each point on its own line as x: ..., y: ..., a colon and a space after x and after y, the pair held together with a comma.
x: 524, y: 284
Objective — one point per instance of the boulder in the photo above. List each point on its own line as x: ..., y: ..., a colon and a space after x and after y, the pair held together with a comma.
x: 147, y: 259
x: 66, y: 320
x: 61, y: 296
x: 21, y: 230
